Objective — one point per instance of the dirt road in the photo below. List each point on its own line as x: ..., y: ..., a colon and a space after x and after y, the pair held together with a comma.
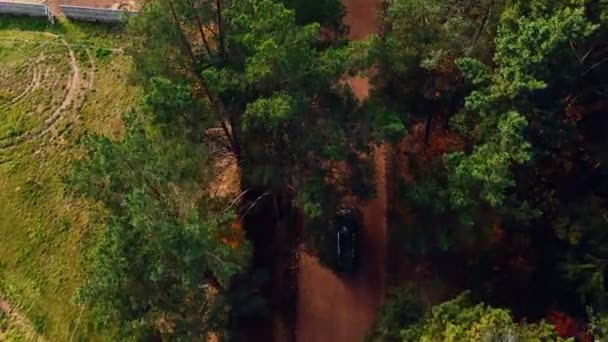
x: 331, y: 308
x: 334, y: 309
x: 362, y: 17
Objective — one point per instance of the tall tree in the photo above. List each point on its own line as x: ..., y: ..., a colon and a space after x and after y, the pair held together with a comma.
x: 497, y: 113
x: 531, y: 160
x: 421, y: 42
x: 272, y: 87
x: 423, y: 34
x: 161, y: 265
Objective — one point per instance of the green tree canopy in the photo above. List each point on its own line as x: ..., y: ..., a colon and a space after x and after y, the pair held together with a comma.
x: 271, y: 86
x: 160, y: 266
x: 423, y: 34
x: 456, y: 320
x: 496, y: 114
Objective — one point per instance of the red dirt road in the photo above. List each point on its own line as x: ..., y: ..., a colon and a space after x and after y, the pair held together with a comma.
x: 362, y: 17
x: 334, y: 309
x: 331, y: 308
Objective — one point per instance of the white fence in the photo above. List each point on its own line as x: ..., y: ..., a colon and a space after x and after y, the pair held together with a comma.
x: 96, y: 14
x: 29, y: 9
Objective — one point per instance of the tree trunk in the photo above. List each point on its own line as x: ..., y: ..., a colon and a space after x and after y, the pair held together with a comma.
x: 427, y: 130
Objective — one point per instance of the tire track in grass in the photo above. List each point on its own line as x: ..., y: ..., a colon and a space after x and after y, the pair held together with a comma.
x: 31, y: 86
x: 75, y: 86
x: 19, y: 321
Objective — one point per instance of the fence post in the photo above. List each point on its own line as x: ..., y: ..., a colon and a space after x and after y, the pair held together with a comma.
x: 49, y: 14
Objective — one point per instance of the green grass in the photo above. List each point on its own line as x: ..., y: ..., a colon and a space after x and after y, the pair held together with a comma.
x: 42, y: 231
x: 8, y: 331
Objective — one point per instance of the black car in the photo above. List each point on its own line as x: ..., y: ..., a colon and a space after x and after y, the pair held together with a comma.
x: 348, y: 230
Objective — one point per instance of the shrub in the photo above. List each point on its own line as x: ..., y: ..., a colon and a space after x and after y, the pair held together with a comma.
x: 457, y: 320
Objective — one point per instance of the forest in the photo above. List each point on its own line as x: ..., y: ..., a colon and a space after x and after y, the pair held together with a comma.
x: 479, y: 146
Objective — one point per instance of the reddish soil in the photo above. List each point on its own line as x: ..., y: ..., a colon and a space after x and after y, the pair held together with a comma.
x: 226, y: 182
x: 362, y: 17
x: 360, y: 86
x: 330, y: 307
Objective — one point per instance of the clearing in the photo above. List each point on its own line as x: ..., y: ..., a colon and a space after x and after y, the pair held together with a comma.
x: 56, y: 83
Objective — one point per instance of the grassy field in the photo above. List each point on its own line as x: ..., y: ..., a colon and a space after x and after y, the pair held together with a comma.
x: 56, y: 84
